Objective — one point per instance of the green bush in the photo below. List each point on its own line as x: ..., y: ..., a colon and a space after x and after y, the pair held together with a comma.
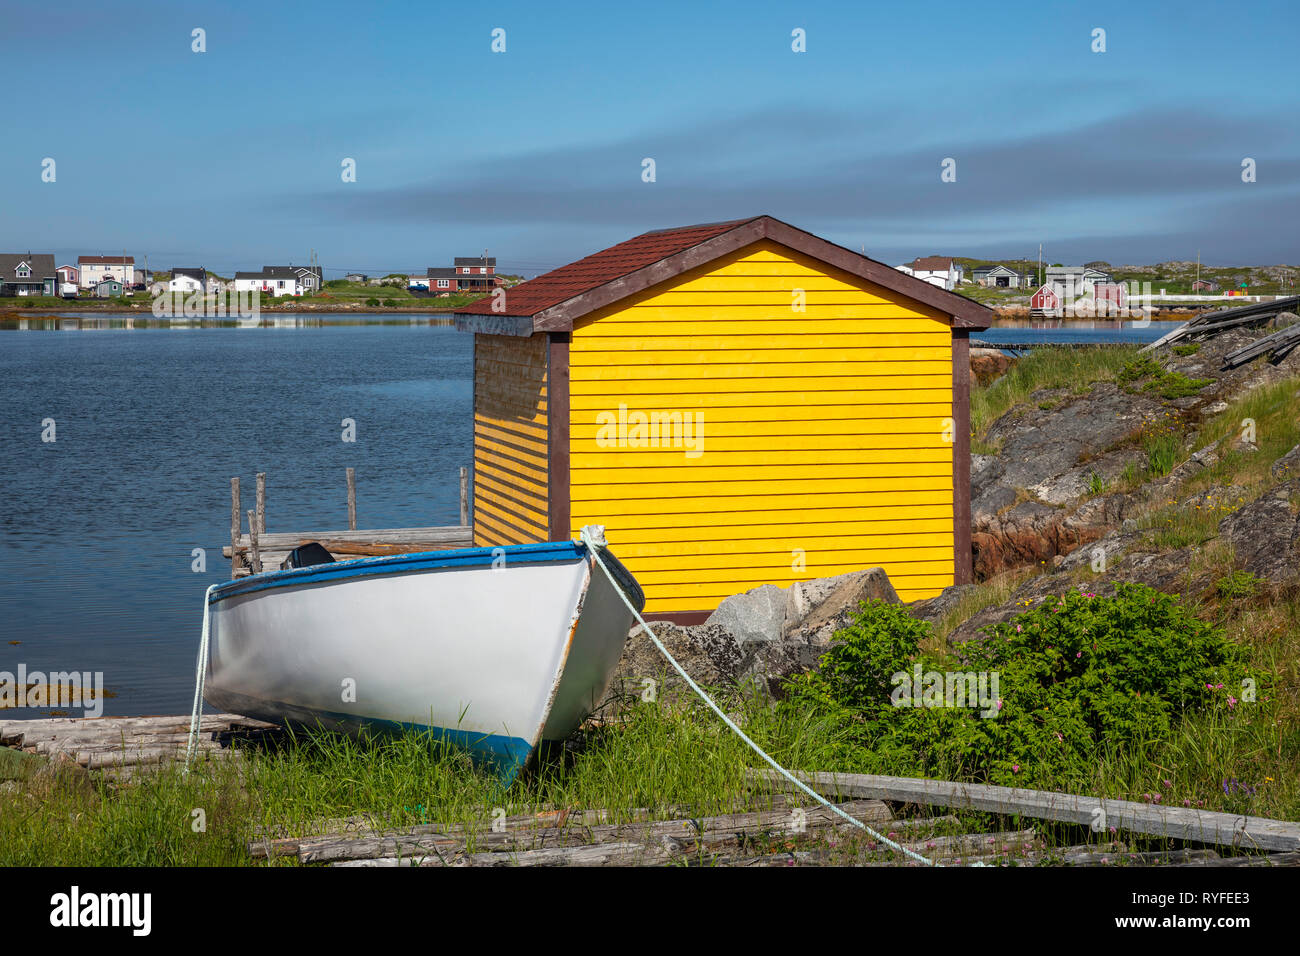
x: 1077, y: 677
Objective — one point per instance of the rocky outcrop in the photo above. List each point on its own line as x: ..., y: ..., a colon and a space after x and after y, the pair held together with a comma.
x: 988, y: 365
x: 764, y: 635
x: 1043, y: 495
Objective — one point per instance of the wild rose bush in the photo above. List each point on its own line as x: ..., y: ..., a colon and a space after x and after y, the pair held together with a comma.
x: 1077, y: 676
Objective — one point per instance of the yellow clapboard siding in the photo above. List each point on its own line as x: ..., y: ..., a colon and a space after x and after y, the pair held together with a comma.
x: 674, y: 605
x: 820, y: 430
x: 666, y: 342
x: 671, y: 569
x: 778, y: 370
x: 675, y: 311
x: 532, y: 472
x: 712, y: 489
x: 882, y: 396
x: 780, y: 419
x: 805, y: 468
x: 714, y: 443
x: 767, y: 281
x: 666, y: 593
x: 780, y: 552
x: 507, y: 529
x: 714, y: 386
x: 768, y: 324
x: 509, y: 492
x: 732, y: 525
x: 511, y: 443
x: 692, y: 508
x: 510, y: 439
x: 632, y: 360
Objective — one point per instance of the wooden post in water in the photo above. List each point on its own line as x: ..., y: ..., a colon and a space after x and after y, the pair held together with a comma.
x: 261, y: 502
x: 234, y: 525
x: 252, y: 538
x: 464, y: 497
x: 352, y: 500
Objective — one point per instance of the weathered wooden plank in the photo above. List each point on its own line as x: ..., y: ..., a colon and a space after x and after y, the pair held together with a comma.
x: 1180, y: 823
x: 705, y: 830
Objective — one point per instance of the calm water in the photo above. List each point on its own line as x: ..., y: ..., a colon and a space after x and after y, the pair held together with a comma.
x: 151, y: 423
x: 99, y: 526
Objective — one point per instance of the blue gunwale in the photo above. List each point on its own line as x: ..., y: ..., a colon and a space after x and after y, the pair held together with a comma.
x: 551, y: 551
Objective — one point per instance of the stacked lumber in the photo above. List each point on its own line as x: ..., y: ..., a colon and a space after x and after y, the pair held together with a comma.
x: 1208, y: 324
x: 99, y: 743
x: 270, y: 550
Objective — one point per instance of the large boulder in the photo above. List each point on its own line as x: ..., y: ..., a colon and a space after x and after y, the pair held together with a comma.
x: 763, y: 635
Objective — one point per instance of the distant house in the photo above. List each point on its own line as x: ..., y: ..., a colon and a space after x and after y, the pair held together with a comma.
x: 1205, y: 285
x: 939, y: 271
x: 1045, y: 302
x: 1072, y: 281
x: 108, y: 288
x: 468, y: 274
x: 67, y: 274
x: 92, y: 269
x: 1109, y: 297
x: 1000, y: 277
x: 28, y: 274
x: 188, y: 280
x: 280, y: 280
x: 356, y: 277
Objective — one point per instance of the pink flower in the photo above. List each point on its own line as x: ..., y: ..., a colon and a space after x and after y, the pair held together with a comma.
x: 1232, y: 702
x: 1019, y: 628
x: 1015, y: 768
x: 1079, y: 654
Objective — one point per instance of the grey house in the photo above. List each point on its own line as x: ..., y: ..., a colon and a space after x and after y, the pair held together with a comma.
x: 1000, y: 277
x: 22, y: 273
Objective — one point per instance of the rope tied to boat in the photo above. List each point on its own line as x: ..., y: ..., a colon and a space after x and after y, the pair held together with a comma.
x: 199, y: 676
x: 593, y: 546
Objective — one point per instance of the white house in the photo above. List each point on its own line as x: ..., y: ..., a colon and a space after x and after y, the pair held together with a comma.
x: 940, y: 271
x: 92, y: 270
x: 280, y: 280
x: 188, y: 280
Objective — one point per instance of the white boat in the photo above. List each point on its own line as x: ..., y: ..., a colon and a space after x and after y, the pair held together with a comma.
x: 494, y: 649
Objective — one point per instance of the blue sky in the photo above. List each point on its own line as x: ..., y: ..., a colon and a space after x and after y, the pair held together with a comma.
x: 231, y: 158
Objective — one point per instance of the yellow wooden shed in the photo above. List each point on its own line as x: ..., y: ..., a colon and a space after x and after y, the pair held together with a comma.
x: 738, y: 403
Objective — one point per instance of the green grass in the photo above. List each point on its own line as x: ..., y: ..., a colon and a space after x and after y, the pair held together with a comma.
x: 663, y: 756
x: 1075, y: 369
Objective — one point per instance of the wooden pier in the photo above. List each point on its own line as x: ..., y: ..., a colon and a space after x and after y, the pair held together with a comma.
x: 255, y: 550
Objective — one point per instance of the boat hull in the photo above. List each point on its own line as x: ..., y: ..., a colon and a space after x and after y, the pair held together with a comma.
x: 494, y: 650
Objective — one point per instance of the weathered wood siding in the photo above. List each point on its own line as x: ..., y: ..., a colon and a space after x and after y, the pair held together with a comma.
x: 823, y: 431
x: 510, y: 445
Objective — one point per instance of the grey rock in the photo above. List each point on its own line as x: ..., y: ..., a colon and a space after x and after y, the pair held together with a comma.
x: 1288, y: 466
x: 1265, y: 534
x: 755, y: 615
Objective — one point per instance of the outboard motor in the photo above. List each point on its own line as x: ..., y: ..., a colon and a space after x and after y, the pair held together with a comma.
x: 304, y: 556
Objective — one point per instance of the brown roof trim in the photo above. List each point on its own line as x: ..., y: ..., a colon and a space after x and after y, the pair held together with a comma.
x: 961, y: 517
x: 965, y: 313
x: 559, y: 507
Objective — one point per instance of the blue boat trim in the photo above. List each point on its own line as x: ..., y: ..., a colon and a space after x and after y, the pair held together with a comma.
x: 401, y: 564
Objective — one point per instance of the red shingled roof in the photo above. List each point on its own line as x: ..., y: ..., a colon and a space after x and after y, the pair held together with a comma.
x: 552, y: 302
x: 562, y: 284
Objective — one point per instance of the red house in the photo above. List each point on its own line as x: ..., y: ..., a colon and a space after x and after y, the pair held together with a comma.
x: 1045, y: 301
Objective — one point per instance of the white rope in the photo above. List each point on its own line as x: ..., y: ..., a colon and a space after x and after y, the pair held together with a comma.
x: 200, y: 674
x: 595, y: 553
